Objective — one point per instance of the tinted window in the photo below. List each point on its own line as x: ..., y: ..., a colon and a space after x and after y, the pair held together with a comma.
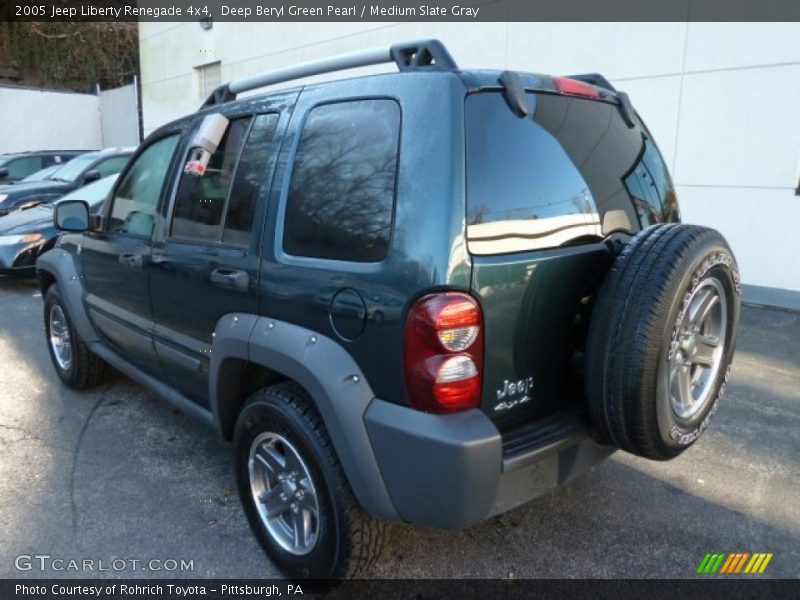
x: 74, y: 168
x: 341, y: 196
x: 22, y: 167
x: 246, y: 185
x: 200, y: 201
x: 111, y: 166
x: 136, y: 198
x: 558, y: 178
x: 650, y: 188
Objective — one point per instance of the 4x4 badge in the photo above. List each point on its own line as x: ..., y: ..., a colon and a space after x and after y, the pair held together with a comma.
x: 516, y: 393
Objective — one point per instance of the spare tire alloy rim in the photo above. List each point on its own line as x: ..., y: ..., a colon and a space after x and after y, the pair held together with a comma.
x: 284, y: 493
x: 60, y: 340
x: 695, y: 364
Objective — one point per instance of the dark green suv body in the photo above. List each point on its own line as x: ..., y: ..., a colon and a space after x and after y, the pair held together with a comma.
x: 382, y: 289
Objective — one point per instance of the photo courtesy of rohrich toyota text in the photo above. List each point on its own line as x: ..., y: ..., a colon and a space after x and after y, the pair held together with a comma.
x: 403, y: 300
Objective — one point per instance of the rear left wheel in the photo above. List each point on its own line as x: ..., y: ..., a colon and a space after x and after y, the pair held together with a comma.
x: 294, y: 492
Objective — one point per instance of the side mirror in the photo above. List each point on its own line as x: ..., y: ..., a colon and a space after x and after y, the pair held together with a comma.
x: 91, y: 176
x: 72, y: 215
x: 3, y: 173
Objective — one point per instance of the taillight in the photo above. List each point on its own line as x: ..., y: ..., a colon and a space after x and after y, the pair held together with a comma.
x: 444, y: 353
x: 574, y: 87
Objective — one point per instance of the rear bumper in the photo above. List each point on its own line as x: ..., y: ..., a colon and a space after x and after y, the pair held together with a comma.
x: 452, y: 471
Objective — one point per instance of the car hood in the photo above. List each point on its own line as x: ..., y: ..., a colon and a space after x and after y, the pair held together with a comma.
x: 32, y: 188
x: 29, y: 220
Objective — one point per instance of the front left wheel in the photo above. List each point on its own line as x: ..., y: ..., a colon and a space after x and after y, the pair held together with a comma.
x: 294, y: 493
x: 75, y: 364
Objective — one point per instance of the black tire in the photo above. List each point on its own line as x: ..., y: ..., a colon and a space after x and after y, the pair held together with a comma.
x: 85, y: 369
x: 349, y: 540
x: 638, y: 335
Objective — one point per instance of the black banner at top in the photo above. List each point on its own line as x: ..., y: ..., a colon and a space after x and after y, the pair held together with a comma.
x: 399, y: 10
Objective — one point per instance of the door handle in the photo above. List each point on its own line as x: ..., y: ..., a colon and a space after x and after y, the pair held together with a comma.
x: 234, y: 279
x: 131, y: 260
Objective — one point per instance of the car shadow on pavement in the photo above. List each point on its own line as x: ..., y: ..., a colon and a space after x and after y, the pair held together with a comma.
x: 117, y: 473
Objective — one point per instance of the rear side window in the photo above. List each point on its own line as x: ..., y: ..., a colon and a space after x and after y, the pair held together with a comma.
x: 247, y: 184
x: 200, y: 201
x: 341, y: 196
x: 572, y: 173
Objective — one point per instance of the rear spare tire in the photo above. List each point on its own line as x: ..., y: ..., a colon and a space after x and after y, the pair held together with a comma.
x: 661, y: 340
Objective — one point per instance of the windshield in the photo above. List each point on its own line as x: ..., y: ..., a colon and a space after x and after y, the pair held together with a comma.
x: 94, y: 193
x: 73, y: 169
x: 43, y: 174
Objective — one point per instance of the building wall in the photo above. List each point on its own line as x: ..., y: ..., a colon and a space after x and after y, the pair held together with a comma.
x: 44, y: 120
x: 119, y: 116
x: 38, y: 120
x: 720, y: 98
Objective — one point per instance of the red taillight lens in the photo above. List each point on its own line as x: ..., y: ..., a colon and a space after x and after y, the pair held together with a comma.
x: 573, y: 87
x: 444, y: 353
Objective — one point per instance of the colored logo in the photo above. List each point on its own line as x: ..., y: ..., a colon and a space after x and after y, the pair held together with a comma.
x: 734, y: 563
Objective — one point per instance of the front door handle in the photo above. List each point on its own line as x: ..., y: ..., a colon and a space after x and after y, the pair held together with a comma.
x: 132, y: 260
x: 234, y: 279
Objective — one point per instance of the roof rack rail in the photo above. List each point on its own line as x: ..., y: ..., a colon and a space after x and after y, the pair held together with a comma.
x: 422, y: 55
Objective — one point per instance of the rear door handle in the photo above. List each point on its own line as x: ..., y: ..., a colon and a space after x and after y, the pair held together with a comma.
x: 131, y: 260
x: 234, y: 279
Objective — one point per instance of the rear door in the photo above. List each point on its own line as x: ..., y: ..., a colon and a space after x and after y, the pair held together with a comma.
x: 543, y: 193
x: 205, y: 264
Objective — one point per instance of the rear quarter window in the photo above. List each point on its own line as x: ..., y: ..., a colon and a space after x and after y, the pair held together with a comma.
x: 341, y: 195
x: 572, y: 172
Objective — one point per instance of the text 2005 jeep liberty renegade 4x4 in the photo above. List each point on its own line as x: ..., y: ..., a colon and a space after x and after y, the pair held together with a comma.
x: 421, y: 297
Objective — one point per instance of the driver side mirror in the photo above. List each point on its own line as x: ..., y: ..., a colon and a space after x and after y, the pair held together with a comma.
x: 72, y: 215
x: 3, y: 173
x: 91, y: 176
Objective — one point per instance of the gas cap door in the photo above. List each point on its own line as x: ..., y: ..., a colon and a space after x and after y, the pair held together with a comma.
x: 348, y: 314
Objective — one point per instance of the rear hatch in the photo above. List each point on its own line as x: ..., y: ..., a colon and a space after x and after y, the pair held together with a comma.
x: 544, y: 193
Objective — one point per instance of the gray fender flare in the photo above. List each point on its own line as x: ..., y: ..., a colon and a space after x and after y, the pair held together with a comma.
x: 61, y: 265
x: 338, y: 389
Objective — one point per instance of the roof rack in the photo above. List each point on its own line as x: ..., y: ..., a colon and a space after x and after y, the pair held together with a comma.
x: 422, y: 55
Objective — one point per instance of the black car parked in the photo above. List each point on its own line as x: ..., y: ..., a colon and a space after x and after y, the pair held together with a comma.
x: 18, y: 165
x: 24, y: 234
x: 78, y: 172
x: 422, y: 297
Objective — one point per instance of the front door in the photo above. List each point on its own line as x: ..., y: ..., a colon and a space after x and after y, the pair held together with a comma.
x: 115, y: 259
x: 205, y: 263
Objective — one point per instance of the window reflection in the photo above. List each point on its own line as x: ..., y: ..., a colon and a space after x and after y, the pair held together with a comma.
x: 134, y: 205
x: 249, y: 173
x: 573, y: 173
x: 342, y: 190
x: 200, y: 201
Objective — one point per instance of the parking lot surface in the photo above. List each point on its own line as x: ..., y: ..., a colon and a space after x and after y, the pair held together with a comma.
x: 116, y: 473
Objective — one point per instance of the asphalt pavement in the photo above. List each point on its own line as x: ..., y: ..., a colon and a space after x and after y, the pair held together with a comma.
x: 118, y: 474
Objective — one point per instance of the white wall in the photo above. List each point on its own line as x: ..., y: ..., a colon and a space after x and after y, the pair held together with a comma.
x: 37, y: 120
x: 34, y: 119
x: 119, y: 116
x: 720, y: 98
